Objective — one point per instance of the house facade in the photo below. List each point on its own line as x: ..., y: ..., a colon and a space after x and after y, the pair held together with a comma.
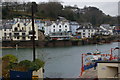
x: 86, y: 30
x: 106, y: 29
x: 18, y: 31
x: 6, y: 30
x: 73, y: 27
x: 58, y: 29
x: 117, y: 30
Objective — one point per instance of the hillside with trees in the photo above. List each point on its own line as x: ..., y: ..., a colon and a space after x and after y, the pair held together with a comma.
x: 52, y: 10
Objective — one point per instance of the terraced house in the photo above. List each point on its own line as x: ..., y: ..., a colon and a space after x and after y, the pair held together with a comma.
x: 86, y: 30
x: 58, y: 29
x: 18, y: 31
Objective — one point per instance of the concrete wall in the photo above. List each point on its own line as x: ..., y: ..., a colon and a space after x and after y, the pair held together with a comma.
x: 107, y: 70
x: 38, y: 73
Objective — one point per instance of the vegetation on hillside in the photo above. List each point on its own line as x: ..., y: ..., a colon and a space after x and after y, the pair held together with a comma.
x: 52, y: 10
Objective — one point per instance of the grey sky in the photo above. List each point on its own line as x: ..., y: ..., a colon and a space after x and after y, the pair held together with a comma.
x: 107, y: 6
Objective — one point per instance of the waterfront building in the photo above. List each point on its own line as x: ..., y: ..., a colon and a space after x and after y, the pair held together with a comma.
x: 18, y: 30
x: 117, y: 30
x: 73, y: 27
x: 59, y: 29
x: 106, y: 29
x: 40, y: 24
x: 6, y: 30
x: 23, y: 31
x: 86, y: 30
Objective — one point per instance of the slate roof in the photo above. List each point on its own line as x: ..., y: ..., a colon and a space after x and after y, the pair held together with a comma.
x: 73, y: 23
x: 107, y: 26
x: 86, y: 26
x: 7, y: 26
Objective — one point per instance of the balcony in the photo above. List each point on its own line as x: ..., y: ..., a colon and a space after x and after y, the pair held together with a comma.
x: 19, y: 31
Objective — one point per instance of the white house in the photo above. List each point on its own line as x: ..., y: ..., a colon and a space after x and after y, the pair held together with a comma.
x: 58, y: 29
x: 106, y: 29
x: 86, y: 30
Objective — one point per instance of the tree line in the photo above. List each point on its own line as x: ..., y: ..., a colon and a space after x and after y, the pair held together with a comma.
x: 52, y: 10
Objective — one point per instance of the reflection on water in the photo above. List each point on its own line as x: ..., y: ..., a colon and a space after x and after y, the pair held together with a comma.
x: 61, y: 62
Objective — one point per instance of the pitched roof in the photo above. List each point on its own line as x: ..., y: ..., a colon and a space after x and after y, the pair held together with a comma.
x: 86, y: 26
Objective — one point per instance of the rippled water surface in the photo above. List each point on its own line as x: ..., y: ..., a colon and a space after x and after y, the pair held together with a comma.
x: 60, y: 62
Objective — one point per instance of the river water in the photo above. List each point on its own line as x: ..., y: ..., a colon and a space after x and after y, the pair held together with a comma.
x: 60, y: 62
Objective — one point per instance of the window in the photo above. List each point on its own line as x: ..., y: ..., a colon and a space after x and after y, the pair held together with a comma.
x: 60, y: 26
x: 60, y: 30
x: 4, y: 29
x: 42, y: 28
x: 16, y: 29
x: 18, y: 25
x: 23, y: 33
x: 83, y: 36
x: 66, y: 26
x: 16, y: 34
x: 53, y: 30
x: 83, y: 33
x: 83, y: 30
x: 65, y: 29
x: 10, y: 34
x: 17, y: 37
x: 54, y: 26
x: 4, y: 34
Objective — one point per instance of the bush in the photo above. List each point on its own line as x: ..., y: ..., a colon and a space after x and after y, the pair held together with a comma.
x: 36, y: 65
x: 9, y: 57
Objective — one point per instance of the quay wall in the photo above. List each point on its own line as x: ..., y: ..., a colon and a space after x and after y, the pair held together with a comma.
x: 58, y: 43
